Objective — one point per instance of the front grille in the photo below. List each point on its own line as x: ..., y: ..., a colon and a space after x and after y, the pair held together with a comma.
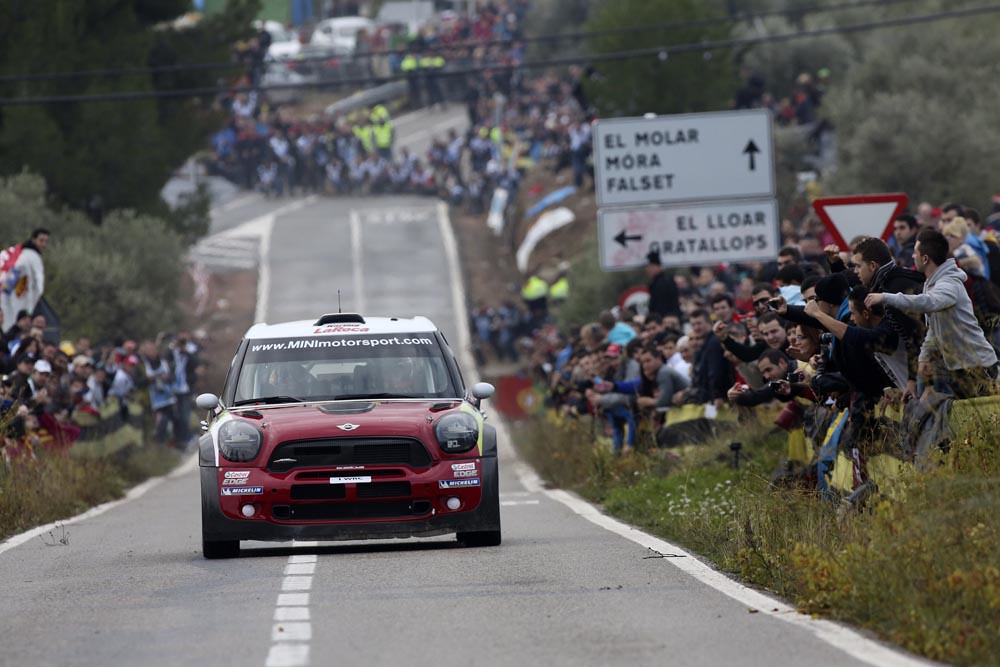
x: 324, y: 474
x: 318, y: 492
x: 384, y: 490
x: 330, y: 452
x: 333, y: 511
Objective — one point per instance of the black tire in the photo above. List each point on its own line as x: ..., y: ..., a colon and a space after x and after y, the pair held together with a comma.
x: 484, y: 538
x: 220, y: 548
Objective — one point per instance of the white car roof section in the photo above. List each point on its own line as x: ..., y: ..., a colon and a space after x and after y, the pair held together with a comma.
x: 372, y: 325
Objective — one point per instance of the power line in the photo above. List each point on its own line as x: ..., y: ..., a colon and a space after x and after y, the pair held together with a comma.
x: 662, y: 53
x: 552, y: 37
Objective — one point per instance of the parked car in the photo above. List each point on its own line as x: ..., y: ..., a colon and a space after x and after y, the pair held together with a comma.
x: 341, y: 34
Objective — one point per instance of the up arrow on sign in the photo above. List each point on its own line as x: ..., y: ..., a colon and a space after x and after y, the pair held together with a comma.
x: 862, y: 215
x: 752, y: 151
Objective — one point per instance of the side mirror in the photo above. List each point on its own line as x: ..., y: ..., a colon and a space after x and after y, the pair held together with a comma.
x: 207, y: 401
x: 483, y: 390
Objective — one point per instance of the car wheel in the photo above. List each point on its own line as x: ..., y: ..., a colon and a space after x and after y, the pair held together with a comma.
x: 220, y: 548
x: 483, y: 538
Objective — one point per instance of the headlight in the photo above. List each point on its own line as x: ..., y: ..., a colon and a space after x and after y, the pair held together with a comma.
x: 457, y: 432
x: 239, y: 441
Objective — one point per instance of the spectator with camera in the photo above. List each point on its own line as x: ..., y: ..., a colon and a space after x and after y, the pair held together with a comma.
x: 784, y: 378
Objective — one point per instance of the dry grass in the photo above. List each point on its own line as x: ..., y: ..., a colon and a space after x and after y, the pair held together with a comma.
x: 58, y: 486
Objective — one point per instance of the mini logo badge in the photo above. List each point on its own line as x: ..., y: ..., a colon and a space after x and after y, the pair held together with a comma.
x: 348, y: 427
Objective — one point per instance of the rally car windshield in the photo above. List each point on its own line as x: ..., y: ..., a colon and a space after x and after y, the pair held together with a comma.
x: 326, y: 368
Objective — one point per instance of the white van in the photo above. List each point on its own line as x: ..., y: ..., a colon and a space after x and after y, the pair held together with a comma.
x: 340, y: 34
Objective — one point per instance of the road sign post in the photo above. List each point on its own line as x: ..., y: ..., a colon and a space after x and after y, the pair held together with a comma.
x: 686, y: 157
x: 698, y: 233
x: 860, y: 215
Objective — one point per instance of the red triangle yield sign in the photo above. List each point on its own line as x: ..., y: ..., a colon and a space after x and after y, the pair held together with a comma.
x: 860, y: 215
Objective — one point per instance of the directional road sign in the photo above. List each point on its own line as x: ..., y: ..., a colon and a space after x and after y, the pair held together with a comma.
x: 689, y: 234
x: 687, y: 157
x: 862, y: 215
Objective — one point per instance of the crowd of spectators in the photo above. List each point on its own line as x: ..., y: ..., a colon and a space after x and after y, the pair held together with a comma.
x: 800, y: 107
x: 815, y: 335
x: 52, y: 392
x: 514, y: 121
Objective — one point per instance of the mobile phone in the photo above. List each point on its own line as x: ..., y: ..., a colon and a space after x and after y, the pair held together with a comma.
x: 774, y: 303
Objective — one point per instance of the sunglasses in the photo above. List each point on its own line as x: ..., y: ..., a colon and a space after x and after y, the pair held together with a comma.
x: 762, y: 302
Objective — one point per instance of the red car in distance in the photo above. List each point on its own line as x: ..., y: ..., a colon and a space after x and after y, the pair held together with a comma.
x: 346, y: 428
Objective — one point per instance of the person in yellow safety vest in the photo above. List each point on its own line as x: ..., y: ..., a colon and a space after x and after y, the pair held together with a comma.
x: 496, y: 136
x: 379, y: 112
x: 382, y: 131
x: 431, y: 64
x: 409, y: 67
x: 559, y: 291
x: 363, y: 132
x: 535, y: 294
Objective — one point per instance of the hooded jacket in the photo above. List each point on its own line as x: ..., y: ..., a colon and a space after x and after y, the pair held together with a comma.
x: 891, y: 278
x: 953, y: 333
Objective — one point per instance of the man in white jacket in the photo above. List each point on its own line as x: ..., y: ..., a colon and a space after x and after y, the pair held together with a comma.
x: 954, y: 337
x: 22, y: 281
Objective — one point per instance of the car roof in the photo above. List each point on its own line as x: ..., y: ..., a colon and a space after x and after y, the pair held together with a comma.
x: 346, y: 20
x: 341, y: 324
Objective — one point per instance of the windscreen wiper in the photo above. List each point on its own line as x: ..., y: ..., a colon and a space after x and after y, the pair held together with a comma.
x: 344, y: 397
x: 269, y: 400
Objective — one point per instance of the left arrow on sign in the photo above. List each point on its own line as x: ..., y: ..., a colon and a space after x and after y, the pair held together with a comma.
x: 624, y: 238
x: 752, y: 150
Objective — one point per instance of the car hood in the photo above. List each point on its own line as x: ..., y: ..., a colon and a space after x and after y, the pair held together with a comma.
x: 281, y: 423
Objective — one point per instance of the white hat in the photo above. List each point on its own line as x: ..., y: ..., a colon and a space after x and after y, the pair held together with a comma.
x: 42, y: 366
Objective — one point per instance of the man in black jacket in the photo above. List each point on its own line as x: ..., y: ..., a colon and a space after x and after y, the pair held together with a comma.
x: 663, y: 297
x: 856, y: 363
x: 712, y: 375
x: 875, y: 267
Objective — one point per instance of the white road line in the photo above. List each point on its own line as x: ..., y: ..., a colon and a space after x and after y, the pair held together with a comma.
x: 840, y: 637
x: 292, y: 632
x: 457, y: 291
x: 359, y: 295
x: 288, y: 655
x: 292, y: 629
x: 296, y: 583
x: 133, y: 493
x: 291, y: 613
x: 293, y: 599
x: 515, y: 503
x: 300, y: 568
x: 264, y: 274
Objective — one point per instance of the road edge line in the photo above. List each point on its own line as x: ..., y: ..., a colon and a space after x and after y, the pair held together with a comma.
x: 136, y: 491
x: 845, y: 639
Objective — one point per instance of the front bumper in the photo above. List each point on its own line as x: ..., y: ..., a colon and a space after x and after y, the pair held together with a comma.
x: 278, y: 515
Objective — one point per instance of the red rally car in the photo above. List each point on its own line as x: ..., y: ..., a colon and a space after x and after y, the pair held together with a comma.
x: 346, y: 428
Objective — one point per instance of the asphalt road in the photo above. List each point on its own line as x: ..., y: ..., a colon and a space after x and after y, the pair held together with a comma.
x: 130, y: 586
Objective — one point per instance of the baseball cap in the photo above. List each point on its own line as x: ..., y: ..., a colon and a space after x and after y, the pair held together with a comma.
x: 82, y: 360
x: 42, y: 366
x: 613, y: 350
